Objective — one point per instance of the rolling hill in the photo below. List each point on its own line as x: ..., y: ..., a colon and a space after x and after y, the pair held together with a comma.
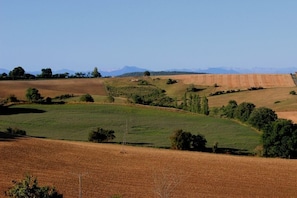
x: 141, y: 172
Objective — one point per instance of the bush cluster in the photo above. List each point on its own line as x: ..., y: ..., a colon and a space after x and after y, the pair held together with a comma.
x: 182, y: 140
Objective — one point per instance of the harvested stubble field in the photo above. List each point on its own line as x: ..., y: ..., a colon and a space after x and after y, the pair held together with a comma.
x: 52, y: 88
x: 140, y: 172
x: 236, y: 81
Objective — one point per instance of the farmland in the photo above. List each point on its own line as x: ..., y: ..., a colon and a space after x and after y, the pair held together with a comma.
x: 141, y: 171
x: 138, y: 171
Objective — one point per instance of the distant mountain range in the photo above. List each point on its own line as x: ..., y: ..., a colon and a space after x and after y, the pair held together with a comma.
x: 215, y: 70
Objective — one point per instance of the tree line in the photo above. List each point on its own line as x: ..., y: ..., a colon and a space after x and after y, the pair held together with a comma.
x: 18, y: 73
x: 278, y: 136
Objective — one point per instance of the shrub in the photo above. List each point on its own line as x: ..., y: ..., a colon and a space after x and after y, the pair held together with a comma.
x: 12, y: 98
x: 170, y: 81
x: 293, y: 92
x: 110, y: 99
x: 15, y: 131
x: 101, y: 135
x: 33, y: 95
x: 86, y: 98
x: 182, y: 140
x: 29, y: 188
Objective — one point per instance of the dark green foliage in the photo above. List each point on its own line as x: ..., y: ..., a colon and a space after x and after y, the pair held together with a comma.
x: 280, y: 139
x: 182, y: 140
x: 110, y: 99
x: 243, y: 111
x: 29, y: 188
x: 46, y: 73
x: 65, y: 96
x: 12, y: 98
x: 96, y: 73
x: 86, y: 98
x: 101, y: 135
x: 33, y: 95
x: 198, y: 142
x: 170, y: 81
x: 230, y: 109
x: 146, y: 73
x: 15, y: 131
x: 204, y: 106
x: 260, y: 117
x: 293, y: 92
x: 17, y: 73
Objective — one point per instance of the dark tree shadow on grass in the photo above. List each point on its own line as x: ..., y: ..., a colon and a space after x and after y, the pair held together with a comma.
x: 11, y: 111
x: 6, y: 137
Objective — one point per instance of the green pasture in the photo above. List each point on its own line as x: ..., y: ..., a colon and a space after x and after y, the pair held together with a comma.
x: 144, y: 126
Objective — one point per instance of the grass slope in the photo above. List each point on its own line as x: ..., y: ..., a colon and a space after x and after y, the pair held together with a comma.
x: 145, y: 125
x: 141, y: 171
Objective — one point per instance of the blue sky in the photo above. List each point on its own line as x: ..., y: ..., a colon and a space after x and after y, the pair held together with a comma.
x: 152, y: 34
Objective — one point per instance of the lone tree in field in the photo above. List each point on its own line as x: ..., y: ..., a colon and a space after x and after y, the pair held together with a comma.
x: 280, y: 139
x: 101, y: 135
x: 96, y: 73
x: 29, y: 188
x: 33, y: 95
x: 86, y: 98
x: 146, y: 73
x: 182, y: 140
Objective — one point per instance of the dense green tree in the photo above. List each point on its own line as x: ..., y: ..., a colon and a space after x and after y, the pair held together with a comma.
x: 229, y: 110
x: 46, y: 73
x: 243, y: 111
x: 17, y: 72
x: 86, y: 98
x: 96, y: 73
x: 101, y: 135
x: 262, y: 116
x: 181, y: 140
x: 198, y: 142
x: 280, y: 139
x: 29, y: 188
x: 33, y: 95
x: 204, y: 106
x: 146, y: 73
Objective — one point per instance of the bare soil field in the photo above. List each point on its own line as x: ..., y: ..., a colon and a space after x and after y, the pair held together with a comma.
x: 141, y: 172
x: 52, y: 88
x: 236, y: 81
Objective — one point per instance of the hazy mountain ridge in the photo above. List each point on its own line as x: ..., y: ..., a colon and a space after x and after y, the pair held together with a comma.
x: 214, y: 70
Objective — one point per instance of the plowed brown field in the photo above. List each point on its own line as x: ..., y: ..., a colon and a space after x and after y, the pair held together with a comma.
x: 141, y: 171
x: 52, y: 88
x: 236, y: 81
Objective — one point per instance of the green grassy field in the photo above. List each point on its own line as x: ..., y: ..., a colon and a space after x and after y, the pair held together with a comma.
x: 145, y: 126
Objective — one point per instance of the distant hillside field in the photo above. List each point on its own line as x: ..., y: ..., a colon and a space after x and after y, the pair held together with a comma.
x: 52, y: 88
x: 237, y: 81
x: 275, y: 94
x: 140, y: 172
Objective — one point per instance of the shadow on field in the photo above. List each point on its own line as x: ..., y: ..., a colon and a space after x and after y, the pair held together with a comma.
x: 11, y: 111
x: 6, y: 137
x: 231, y: 151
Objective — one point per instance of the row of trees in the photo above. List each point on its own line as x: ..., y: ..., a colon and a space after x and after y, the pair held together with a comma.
x: 279, y: 136
x: 19, y: 73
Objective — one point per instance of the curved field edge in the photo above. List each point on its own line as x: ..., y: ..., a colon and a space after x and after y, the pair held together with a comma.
x: 145, y: 126
x: 140, y: 172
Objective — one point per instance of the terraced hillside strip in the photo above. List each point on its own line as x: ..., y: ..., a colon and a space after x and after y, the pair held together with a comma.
x: 52, y: 88
x: 141, y: 171
x: 237, y: 81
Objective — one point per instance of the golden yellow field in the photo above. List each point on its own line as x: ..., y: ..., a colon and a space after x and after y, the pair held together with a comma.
x: 141, y: 172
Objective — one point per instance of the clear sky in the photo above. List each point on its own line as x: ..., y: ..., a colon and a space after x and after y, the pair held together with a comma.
x: 152, y: 34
